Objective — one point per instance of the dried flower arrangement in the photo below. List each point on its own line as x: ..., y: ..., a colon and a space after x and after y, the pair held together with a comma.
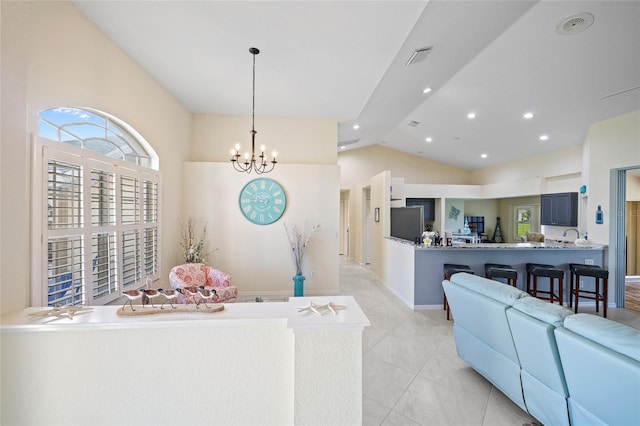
x: 194, y: 252
x: 298, y: 243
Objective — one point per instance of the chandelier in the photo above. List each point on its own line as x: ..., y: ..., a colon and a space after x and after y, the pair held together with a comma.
x: 250, y: 162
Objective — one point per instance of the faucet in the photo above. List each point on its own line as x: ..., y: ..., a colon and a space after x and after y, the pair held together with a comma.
x: 564, y: 234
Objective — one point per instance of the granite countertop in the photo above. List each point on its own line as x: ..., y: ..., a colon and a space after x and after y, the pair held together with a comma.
x: 505, y: 246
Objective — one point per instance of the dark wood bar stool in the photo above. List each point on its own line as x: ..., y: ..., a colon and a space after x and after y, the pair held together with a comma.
x: 552, y: 273
x: 572, y: 281
x: 497, y: 270
x: 529, y: 268
x: 598, y: 294
x: 450, y: 269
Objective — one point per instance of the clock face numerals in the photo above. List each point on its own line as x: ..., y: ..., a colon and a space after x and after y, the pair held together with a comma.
x: 262, y: 201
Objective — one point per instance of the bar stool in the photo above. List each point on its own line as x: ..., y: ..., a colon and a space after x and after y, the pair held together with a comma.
x: 497, y: 270
x: 597, y: 273
x: 552, y: 273
x: 572, y: 282
x: 529, y: 267
x: 450, y: 269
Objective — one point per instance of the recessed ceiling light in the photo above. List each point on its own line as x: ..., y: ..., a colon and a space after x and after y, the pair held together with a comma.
x: 544, y: 137
x: 343, y: 147
x: 428, y: 139
x: 471, y: 115
x: 356, y: 126
x: 427, y: 90
x: 527, y: 115
x: 483, y: 155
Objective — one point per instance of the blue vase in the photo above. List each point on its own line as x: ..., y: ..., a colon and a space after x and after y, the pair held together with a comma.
x: 298, y: 285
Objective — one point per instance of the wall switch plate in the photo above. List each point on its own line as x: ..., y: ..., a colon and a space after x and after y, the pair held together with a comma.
x: 588, y: 261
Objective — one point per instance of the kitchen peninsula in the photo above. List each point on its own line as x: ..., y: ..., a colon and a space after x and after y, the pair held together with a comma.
x: 414, y: 272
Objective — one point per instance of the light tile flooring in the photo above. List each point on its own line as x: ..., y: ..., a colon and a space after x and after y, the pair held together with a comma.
x: 411, y: 372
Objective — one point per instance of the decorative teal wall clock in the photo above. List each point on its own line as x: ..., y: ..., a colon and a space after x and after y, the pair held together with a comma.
x: 262, y: 201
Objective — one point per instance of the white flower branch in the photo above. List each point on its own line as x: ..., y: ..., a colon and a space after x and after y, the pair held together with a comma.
x: 298, y: 244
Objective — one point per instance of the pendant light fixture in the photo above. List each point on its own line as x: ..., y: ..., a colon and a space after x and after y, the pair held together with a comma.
x: 250, y: 162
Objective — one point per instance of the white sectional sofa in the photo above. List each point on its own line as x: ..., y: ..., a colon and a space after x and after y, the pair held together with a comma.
x: 563, y: 369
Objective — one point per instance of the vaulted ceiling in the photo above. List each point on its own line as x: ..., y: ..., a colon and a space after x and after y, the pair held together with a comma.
x: 347, y: 60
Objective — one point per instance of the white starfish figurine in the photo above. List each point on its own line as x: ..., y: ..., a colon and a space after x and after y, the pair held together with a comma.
x: 320, y: 309
x: 68, y: 312
x: 310, y: 307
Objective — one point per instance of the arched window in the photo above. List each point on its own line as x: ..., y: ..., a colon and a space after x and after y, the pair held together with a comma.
x: 96, y: 206
x: 98, y: 132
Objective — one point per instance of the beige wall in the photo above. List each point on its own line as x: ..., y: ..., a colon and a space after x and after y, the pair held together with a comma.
x: 296, y: 140
x: 258, y: 256
x: 52, y: 56
x: 612, y: 144
x: 14, y: 157
x: 358, y: 165
x: 554, y: 165
x: 374, y: 167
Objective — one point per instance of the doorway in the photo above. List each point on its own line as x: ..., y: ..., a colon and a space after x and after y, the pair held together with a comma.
x: 366, y: 222
x: 621, y: 228
x: 344, y: 223
x: 632, y: 241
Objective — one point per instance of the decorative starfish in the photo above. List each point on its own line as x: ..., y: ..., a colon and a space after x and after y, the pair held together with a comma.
x: 321, y: 309
x: 68, y: 312
x: 310, y: 307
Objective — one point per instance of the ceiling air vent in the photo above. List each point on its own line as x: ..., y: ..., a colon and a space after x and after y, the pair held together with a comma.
x: 419, y: 55
x: 349, y: 142
x: 575, y: 24
x: 414, y: 123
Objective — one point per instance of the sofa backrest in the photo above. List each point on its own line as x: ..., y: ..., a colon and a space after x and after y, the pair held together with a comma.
x: 189, y: 274
x: 197, y: 274
x: 532, y: 323
x: 478, y: 305
x: 601, y: 362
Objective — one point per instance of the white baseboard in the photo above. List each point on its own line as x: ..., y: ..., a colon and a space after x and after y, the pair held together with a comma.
x: 427, y: 307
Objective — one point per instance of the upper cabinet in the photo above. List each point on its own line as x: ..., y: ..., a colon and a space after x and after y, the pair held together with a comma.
x: 429, y: 205
x: 559, y: 209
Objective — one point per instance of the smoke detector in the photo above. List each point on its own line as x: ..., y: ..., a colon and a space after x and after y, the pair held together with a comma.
x: 575, y: 24
x: 413, y: 123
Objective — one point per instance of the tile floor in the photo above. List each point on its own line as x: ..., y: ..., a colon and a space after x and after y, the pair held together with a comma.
x: 411, y: 373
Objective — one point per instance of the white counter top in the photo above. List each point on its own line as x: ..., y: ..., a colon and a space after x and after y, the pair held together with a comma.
x: 285, y: 313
